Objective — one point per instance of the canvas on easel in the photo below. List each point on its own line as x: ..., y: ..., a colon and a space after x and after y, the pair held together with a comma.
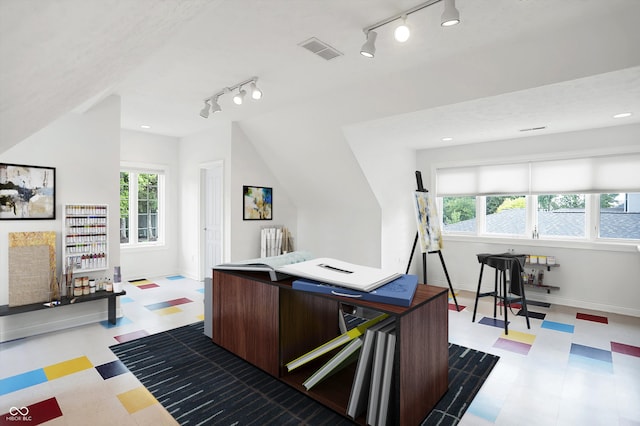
x: 429, y: 233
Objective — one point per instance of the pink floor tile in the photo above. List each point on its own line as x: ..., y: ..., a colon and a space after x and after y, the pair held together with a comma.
x: 131, y: 336
x: 625, y: 349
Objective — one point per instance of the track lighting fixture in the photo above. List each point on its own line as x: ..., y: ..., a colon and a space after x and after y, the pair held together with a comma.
x: 239, y: 97
x: 450, y: 16
x: 369, y: 47
x: 402, y: 32
x: 204, y: 112
x: 215, y: 106
x: 211, y: 103
x: 255, y: 92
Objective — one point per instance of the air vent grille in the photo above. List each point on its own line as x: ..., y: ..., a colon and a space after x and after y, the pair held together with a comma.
x: 320, y: 48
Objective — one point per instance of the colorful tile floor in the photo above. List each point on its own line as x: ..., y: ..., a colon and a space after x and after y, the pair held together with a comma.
x: 70, y: 377
x: 573, y: 367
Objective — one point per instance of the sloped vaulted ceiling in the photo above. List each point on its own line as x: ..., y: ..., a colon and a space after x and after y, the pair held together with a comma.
x: 57, y: 55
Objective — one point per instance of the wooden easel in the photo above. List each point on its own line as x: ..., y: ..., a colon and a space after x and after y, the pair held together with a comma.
x: 424, y: 255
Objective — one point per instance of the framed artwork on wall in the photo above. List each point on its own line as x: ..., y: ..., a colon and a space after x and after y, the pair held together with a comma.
x: 257, y: 203
x: 27, y: 192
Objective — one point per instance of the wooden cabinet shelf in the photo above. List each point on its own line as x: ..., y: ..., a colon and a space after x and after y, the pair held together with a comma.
x: 269, y: 324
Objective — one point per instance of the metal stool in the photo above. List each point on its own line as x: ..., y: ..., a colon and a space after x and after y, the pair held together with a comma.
x: 502, y: 263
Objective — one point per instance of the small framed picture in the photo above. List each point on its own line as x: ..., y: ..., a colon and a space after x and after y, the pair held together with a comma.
x: 27, y: 192
x: 257, y: 203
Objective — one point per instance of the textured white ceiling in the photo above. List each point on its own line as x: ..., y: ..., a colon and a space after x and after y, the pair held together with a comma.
x: 164, y: 56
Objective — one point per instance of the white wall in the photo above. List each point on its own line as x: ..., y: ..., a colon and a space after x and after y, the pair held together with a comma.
x: 195, y: 152
x: 602, y: 277
x: 138, y: 149
x: 248, y: 168
x: 85, y: 150
x: 226, y: 142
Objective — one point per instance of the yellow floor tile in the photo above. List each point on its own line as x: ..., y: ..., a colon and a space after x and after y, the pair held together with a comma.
x: 67, y: 367
x: 137, y: 399
x: 200, y: 317
x: 518, y: 336
x: 141, y: 282
x: 168, y: 311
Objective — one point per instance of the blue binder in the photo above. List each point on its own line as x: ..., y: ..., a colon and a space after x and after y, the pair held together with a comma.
x: 397, y: 292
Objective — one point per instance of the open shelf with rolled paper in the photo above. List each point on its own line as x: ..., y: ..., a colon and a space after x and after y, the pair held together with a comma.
x: 269, y: 323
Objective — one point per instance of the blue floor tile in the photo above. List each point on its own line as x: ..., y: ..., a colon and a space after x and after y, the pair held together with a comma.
x: 558, y: 326
x: 593, y: 353
x: 119, y: 321
x: 494, y: 322
x: 175, y: 277
x: 590, y: 364
x: 485, y: 408
x: 22, y: 381
x: 156, y: 306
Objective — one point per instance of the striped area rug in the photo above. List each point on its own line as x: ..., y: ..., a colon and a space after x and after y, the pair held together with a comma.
x: 200, y: 383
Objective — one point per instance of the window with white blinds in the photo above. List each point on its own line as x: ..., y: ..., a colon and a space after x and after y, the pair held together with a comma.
x: 595, y: 174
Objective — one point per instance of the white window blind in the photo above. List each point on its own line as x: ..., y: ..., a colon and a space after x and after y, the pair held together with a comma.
x: 483, y: 180
x: 598, y: 174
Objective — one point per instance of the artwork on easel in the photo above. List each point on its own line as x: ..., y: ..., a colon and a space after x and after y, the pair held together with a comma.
x: 429, y: 232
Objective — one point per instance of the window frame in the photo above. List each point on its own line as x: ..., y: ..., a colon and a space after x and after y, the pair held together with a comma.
x: 591, y: 240
x: 592, y: 224
x: 135, y: 170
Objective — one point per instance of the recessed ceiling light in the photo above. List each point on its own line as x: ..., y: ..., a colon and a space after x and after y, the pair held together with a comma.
x: 622, y: 115
x: 447, y: 139
x: 145, y: 126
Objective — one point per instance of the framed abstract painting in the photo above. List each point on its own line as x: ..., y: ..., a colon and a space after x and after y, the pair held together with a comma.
x: 257, y: 203
x: 27, y: 192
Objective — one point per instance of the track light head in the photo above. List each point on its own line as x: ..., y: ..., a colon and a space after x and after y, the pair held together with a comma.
x: 239, y: 97
x: 451, y: 15
x: 256, y: 93
x: 402, y: 31
x: 211, y: 105
x: 204, y: 112
x: 369, y: 47
x: 215, y: 106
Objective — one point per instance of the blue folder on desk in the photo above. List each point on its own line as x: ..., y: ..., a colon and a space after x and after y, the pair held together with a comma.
x: 397, y: 292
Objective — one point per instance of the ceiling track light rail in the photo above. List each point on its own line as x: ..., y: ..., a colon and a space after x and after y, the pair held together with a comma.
x: 450, y: 17
x: 211, y: 103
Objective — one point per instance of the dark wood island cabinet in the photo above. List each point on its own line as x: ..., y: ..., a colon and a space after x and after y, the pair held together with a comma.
x: 269, y: 324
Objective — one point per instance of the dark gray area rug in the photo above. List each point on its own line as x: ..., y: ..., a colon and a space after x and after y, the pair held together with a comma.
x: 200, y: 383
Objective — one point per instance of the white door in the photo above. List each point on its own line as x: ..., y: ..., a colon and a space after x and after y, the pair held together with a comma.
x: 213, y: 199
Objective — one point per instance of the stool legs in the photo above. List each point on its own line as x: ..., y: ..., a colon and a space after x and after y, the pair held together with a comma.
x: 475, y: 306
x: 524, y: 303
x: 496, y: 294
x: 504, y: 301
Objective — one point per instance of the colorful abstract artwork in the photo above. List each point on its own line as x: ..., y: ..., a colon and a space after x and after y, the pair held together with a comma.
x: 429, y: 232
x: 257, y: 203
x: 27, y: 192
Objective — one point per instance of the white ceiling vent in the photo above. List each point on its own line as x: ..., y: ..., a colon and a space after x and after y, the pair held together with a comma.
x: 320, y: 48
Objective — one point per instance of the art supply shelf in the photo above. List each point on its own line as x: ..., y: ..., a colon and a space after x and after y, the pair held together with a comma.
x: 85, y: 240
x: 535, y: 276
